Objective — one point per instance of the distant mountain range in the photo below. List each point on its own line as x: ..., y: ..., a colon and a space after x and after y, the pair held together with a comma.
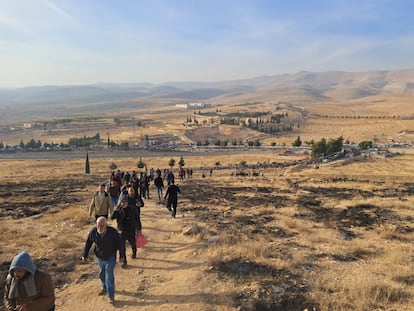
x: 301, y: 86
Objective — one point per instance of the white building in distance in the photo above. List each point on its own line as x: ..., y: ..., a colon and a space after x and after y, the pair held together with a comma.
x: 193, y: 105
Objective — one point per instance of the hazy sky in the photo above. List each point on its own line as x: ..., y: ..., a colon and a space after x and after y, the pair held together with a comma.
x: 45, y: 42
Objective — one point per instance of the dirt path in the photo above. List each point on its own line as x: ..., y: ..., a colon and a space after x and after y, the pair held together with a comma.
x: 166, y: 275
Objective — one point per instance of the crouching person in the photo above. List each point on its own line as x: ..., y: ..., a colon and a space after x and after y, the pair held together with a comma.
x: 28, y: 288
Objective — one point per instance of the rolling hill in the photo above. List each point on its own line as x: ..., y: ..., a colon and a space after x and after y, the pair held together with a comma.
x: 301, y: 87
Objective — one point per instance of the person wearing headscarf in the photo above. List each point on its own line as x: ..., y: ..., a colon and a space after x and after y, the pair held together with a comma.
x: 28, y: 288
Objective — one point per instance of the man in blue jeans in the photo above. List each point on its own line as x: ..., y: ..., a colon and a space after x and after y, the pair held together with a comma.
x: 107, y: 242
x: 159, y: 183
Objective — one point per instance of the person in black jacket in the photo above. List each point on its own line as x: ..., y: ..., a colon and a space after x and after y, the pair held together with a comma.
x: 172, y: 194
x: 107, y: 242
x: 159, y: 183
x: 114, y: 191
x: 127, y: 217
x: 135, y: 200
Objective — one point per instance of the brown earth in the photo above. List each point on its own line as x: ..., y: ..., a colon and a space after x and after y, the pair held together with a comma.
x: 284, y: 239
x: 164, y: 277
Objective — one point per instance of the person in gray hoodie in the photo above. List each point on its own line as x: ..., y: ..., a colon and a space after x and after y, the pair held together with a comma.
x: 28, y: 288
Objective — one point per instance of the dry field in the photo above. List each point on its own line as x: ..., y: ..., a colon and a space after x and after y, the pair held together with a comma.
x: 380, y: 118
x: 295, y: 238
x: 334, y: 238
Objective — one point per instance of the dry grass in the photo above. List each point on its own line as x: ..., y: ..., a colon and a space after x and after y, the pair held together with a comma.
x: 359, y: 290
x: 334, y: 238
x: 290, y: 223
x: 266, y: 230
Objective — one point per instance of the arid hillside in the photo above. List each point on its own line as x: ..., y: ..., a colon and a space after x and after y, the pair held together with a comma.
x: 382, y: 119
x: 263, y: 231
x: 337, y: 237
x: 36, y: 103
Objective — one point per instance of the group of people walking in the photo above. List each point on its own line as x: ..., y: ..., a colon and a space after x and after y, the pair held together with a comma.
x: 127, y: 213
x: 28, y: 288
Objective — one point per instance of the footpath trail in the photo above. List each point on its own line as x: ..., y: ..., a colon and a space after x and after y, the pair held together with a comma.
x: 167, y: 275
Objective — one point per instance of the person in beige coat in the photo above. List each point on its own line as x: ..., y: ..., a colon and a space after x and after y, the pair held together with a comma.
x: 101, y: 204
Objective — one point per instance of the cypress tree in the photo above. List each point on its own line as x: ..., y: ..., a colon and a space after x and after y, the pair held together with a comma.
x: 87, y: 168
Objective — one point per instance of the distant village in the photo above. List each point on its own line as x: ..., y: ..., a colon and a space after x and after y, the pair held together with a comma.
x: 193, y: 105
x: 302, y: 153
x: 348, y: 150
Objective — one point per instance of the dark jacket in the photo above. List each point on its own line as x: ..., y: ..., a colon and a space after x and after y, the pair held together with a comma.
x: 105, y: 245
x: 114, y: 191
x: 127, y: 220
x: 172, y: 193
x: 136, y: 201
x: 158, y: 182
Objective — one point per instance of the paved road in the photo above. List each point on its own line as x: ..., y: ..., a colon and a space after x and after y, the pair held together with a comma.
x: 80, y: 154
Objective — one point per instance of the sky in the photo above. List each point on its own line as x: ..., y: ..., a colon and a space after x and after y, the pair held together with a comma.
x: 76, y: 42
